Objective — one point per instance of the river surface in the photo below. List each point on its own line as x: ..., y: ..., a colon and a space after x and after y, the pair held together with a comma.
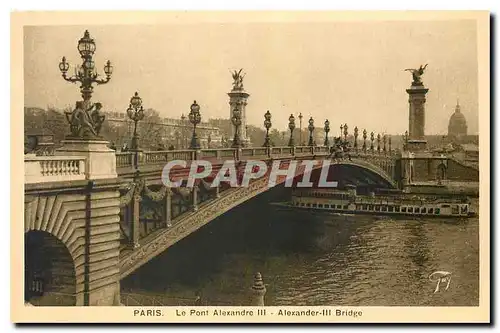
x: 317, y: 259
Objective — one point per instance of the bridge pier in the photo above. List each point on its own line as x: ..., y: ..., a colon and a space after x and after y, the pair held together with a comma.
x: 72, y: 243
x: 72, y: 227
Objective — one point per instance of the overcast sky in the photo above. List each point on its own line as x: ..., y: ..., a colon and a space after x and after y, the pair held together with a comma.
x: 348, y: 72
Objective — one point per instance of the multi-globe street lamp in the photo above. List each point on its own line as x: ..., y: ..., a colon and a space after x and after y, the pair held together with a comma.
x: 267, y: 125
x: 86, y: 74
x: 291, y: 126
x: 135, y: 112
x: 195, y: 119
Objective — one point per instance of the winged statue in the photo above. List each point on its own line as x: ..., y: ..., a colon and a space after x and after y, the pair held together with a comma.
x: 417, y: 73
x: 238, y: 79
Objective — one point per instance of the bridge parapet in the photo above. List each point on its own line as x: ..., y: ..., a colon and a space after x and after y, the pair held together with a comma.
x: 126, y: 159
x: 41, y: 169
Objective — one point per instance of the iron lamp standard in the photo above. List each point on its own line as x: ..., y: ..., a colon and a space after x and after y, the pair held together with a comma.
x: 86, y: 74
x: 236, y: 120
x: 195, y: 119
x: 135, y: 112
x: 183, y: 132
x: 300, y: 133
x: 291, y: 126
x: 267, y: 125
x: 327, y: 129
x: 311, y: 129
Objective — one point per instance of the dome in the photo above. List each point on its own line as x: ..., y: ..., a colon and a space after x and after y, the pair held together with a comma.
x: 457, y: 125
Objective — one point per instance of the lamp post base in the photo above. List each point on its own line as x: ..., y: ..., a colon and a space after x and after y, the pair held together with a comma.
x: 195, y: 144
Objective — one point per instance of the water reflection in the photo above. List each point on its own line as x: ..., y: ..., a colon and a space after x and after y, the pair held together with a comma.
x: 317, y: 259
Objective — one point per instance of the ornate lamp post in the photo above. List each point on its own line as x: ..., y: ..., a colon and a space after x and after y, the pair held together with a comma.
x: 356, y: 138
x: 291, y: 126
x: 267, y: 125
x: 327, y: 129
x: 378, y: 143
x: 236, y: 119
x: 372, y: 137
x: 183, y: 131
x: 135, y: 112
x: 195, y: 119
x: 85, y: 126
x: 345, y: 133
x: 300, y: 125
x: 364, y: 139
x: 311, y: 129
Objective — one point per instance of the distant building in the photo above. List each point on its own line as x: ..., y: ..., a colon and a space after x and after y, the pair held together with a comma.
x: 457, y: 127
x: 471, y: 151
x: 176, y: 131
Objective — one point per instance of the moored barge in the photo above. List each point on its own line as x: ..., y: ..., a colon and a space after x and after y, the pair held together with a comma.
x: 347, y: 201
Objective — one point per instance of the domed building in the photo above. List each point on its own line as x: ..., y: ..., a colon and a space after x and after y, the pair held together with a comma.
x: 457, y: 127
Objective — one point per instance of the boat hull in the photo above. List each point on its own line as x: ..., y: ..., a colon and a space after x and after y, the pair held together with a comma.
x: 351, y: 212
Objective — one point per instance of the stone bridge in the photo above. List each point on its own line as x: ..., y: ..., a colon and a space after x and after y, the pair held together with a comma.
x: 95, y: 231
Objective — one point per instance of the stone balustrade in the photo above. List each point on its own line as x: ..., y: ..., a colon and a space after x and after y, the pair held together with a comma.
x: 126, y: 159
x: 41, y: 169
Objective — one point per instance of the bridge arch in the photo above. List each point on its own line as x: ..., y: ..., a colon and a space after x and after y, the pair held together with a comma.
x: 190, y: 222
x: 362, y: 172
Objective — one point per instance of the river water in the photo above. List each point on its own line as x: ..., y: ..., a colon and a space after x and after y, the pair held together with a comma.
x: 317, y: 259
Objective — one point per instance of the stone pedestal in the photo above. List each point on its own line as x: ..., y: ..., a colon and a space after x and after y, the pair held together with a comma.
x: 238, y: 98
x: 417, y: 145
x: 100, y: 161
x: 416, y: 128
x: 258, y: 290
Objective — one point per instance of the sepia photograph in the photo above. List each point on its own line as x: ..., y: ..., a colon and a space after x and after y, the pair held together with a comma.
x: 237, y: 165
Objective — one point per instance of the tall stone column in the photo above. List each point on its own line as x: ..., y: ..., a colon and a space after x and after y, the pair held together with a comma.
x: 416, y: 100
x: 238, y: 98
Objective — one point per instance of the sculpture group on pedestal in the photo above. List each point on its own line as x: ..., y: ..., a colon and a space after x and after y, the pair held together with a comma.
x: 85, y: 123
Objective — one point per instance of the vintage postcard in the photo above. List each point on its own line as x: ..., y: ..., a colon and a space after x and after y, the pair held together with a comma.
x: 278, y: 167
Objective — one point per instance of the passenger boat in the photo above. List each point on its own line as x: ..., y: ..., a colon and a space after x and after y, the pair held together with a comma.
x: 347, y: 201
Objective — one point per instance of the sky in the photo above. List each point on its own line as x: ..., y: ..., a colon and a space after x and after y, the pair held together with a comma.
x: 347, y: 72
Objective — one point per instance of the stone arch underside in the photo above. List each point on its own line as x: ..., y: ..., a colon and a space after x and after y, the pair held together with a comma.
x: 65, y: 221
x: 157, y: 242
x: 49, y: 271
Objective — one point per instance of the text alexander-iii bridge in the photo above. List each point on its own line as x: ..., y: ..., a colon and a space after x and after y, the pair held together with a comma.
x: 93, y: 216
